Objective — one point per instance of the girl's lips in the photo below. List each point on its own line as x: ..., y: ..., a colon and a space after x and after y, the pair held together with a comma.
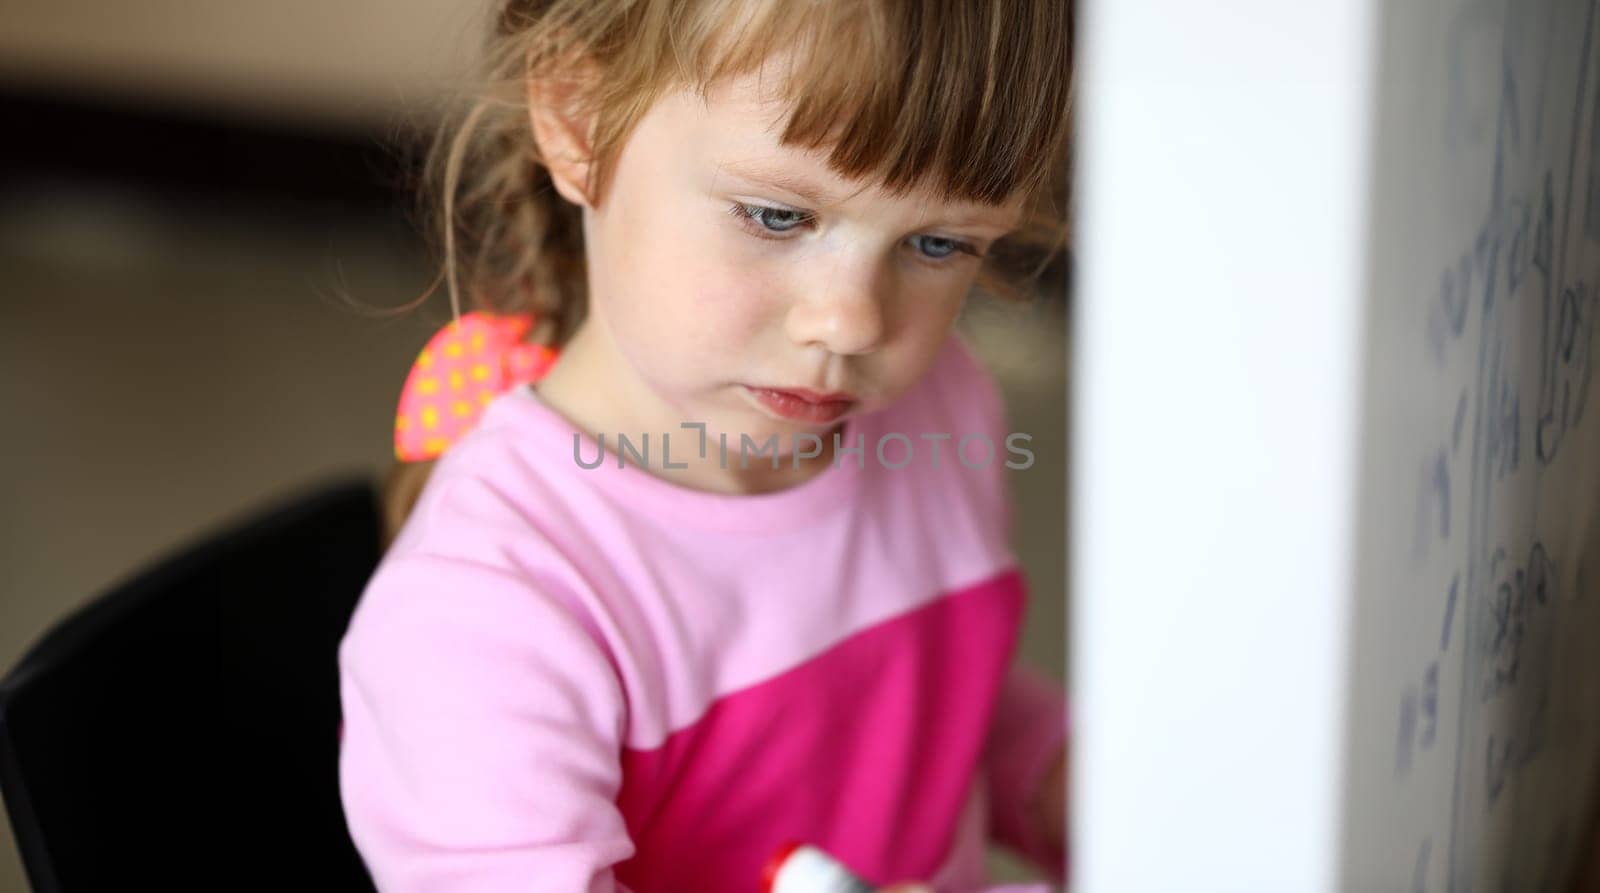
x: 793, y: 405
x: 811, y: 396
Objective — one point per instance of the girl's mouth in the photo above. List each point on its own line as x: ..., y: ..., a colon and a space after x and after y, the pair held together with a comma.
x: 794, y: 405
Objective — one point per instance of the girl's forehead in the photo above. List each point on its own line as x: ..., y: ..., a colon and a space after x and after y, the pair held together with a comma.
x: 751, y: 100
x: 735, y: 126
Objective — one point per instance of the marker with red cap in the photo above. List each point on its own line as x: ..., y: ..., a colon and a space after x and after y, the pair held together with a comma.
x: 802, y: 868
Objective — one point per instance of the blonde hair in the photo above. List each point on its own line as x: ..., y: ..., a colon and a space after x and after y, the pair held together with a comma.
x: 971, y: 98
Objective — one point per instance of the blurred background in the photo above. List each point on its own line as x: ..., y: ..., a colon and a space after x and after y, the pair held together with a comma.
x: 189, y: 193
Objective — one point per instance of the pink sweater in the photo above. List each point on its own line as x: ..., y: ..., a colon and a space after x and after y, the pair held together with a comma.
x: 573, y: 679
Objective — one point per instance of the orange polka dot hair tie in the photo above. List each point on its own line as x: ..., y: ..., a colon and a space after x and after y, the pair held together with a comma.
x: 461, y: 368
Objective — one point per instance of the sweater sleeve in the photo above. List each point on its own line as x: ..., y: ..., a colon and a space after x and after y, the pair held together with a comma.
x: 1028, y: 730
x: 482, y: 728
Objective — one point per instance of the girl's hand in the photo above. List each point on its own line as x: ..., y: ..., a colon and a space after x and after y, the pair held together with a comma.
x: 1052, y: 812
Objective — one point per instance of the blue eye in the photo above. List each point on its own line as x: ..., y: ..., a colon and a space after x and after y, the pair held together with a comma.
x: 937, y: 247
x: 778, y: 220
x: 768, y: 222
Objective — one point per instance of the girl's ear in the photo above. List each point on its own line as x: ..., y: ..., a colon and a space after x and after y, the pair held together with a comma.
x: 563, y: 133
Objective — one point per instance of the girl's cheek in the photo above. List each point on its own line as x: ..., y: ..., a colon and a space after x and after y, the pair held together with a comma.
x: 734, y: 302
x: 741, y: 279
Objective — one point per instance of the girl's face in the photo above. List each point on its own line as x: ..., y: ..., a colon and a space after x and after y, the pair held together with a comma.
x: 720, y: 261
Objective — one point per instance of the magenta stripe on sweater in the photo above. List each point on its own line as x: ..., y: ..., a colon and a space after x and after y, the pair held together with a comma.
x: 890, y: 723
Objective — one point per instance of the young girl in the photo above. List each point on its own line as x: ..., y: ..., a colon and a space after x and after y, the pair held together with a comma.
x: 702, y: 540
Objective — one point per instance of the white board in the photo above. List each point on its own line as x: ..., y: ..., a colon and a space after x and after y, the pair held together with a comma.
x: 1337, y: 481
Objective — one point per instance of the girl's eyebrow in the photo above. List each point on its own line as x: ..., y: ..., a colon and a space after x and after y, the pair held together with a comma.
x: 782, y: 179
x: 821, y: 196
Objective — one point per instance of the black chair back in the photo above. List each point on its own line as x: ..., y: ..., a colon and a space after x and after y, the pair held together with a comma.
x: 181, y: 730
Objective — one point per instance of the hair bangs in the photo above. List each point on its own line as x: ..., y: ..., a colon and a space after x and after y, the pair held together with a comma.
x: 953, y: 97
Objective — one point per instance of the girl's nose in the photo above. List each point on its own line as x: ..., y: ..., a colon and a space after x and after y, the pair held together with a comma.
x: 844, y: 309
